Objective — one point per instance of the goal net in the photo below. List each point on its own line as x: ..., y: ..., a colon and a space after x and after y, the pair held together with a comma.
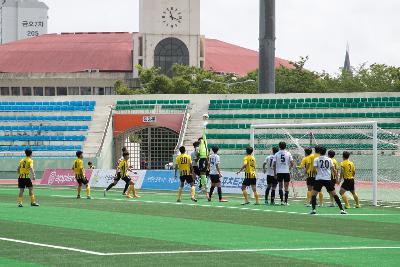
x: 373, y: 149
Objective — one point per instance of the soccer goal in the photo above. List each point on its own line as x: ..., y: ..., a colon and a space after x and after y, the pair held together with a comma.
x: 374, y: 150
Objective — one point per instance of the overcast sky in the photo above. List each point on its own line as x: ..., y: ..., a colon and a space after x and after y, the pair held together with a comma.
x: 317, y: 28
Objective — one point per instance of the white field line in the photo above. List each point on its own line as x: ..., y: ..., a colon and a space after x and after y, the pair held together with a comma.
x: 230, y: 207
x: 83, y: 251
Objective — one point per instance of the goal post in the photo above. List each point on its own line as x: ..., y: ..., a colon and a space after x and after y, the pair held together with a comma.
x: 359, y: 138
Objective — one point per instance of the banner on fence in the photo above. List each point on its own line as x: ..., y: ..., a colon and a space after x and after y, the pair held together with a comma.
x: 102, y: 178
x: 61, y: 177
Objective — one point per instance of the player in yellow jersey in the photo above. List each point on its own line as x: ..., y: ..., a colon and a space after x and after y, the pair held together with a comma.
x: 123, y: 167
x: 249, y: 167
x: 183, y: 163
x: 307, y: 165
x: 80, y: 175
x: 25, y: 168
x: 312, y: 179
x: 334, y: 176
x: 348, y: 171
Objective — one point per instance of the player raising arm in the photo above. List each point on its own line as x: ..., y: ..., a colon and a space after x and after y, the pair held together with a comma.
x: 348, y: 171
x: 80, y: 175
x: 272, y: 182
x: 184, y: 165
x: 249, y: 166
x: 25, y: 168
x: 324, y: 168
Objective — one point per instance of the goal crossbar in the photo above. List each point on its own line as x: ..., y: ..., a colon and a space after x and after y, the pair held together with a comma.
x: 373, y: 124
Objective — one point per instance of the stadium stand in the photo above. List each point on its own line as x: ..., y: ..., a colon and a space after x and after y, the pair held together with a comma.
x: 152, y: 104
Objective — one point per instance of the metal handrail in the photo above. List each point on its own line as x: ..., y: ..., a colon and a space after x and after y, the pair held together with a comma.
x: 183, y: 129
x: 105, y: 132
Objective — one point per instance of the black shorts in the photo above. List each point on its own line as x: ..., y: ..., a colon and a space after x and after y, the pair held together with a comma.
x: 310, y: 181
x: 24, y: 183
x: 126, y: 179
x: 323, y: 183
x: 249, y: 181
x: 196, y: 170
x: 271, y: 180
x: 187, y: 178
x: 118, y: 177
x: 283, y: 177
x: 348, y: 184
x: 215, y: 178
x: 334, y: 181
x: 203, y: 165
x: 81, y: 180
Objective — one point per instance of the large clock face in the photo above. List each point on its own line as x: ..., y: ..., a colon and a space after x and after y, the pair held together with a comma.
x: 171, y: 17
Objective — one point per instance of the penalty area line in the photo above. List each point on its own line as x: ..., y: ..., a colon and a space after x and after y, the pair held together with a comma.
x: 215, y: 251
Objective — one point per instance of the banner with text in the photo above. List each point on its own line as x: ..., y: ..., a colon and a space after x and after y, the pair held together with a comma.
x: 102, y: 178
x: 61, y: 177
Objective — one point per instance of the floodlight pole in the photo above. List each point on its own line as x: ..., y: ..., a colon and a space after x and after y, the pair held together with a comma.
x: 266, y: 71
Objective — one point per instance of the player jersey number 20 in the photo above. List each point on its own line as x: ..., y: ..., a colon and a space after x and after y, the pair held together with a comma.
x: 324, y: 164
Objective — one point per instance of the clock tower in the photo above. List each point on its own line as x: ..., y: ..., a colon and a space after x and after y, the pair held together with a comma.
x: 169, y: 33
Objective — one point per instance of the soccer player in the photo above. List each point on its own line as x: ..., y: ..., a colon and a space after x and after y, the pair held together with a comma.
x: 283, y: 162
x: 323, y: 167
x: 195, y: 161
x: 80, y: 175
x: 203, y: 163
x: 312, y: 179
x: 249, y: 166
x: 25, y: 168
x: 272, y: 182
x: 215, y: 174
x: 334, y: 176
x: 118, y: 175
x: 184, y: 164
x: 124, y: 168
x: 308, y: 167
x: 348, y: 171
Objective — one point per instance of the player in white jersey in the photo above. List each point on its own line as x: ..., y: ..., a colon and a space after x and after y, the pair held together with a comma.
x: 283, y: 162
x: 323, y: 167
x: 272, y: 182
x: 195, y: 161
x: 215, y: 174
x: 117, y: 175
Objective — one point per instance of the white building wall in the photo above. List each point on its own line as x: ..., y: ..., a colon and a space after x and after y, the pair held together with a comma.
x: 21, y: 19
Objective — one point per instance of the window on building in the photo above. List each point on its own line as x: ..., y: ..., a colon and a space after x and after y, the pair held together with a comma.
x: 38, y: 91
x: 73, y: 90
x: 50, y: 91
x: 168, y: 52
x: 15, y: 91
x: 26, y: 91
x: 62, y: 91
x: 5, y: 91
x: 109, y: 91
x: 86, y: 91
x: 140, y: 46
x: 99, y: 90
x: 140, y: 62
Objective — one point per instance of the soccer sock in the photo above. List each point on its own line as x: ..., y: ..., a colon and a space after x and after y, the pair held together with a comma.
x: 256, y: 197
x: 286, y: 196
x: 211, y: 191
x: 281, y: 195
x: 314, y: 202
x: 88, y: 190
x: 110, y: 186
x: 356, y: 199
x: 33, y: 198
x: 79, y: 190
x: 192, y: 192
x: 331, y: 199
x: 308, y: 200
x: 219, y: 193
x: 245, y: 195
x: 272, y: 196
x: 20, y: 200
x: 321, y: 198
x: 130, y: 189
x: 338, y: 202
x: 180, y: 193
x: 267, y: 193
x: 126, y: 187
x: 345, y: 200
x: 203, y: 181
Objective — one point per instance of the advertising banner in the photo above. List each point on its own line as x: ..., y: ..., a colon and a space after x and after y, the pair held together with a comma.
x: 61, y: 177
x: 102, y: 178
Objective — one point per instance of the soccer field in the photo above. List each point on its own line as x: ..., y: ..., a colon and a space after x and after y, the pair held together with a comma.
x: 154, y: 230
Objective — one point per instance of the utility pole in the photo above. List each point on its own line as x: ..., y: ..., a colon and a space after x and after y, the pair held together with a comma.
x: 266, y: 72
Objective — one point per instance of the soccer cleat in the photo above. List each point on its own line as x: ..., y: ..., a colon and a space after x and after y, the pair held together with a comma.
x: 193, y: 199
x: 20, y: 206
x: 272, y: 204
x: 104, y: 193
x: 358, y: 206
x: 34, y: 205
x: 124, y: 194
x: 137, y: 196
x: 320, y: 206
x: 347, y: 207
x: 209, y: 199
x: 282, y: 203
x: 223, y: 200
x: 128, y: 196
x: 286, y: 204
x: 313, y: 212
x: 256, y: 204
x: 88, y: 197
x: 309, y: 205
x: 78, y: 196
x: 179, y: 201
x: 343, y: 212
x: 245, y: 203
